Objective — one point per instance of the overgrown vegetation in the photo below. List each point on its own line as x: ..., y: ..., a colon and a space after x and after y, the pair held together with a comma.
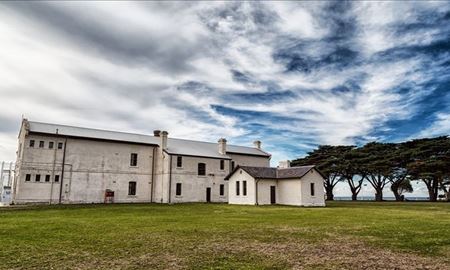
x: 379, y: 164
x: 344, y: 235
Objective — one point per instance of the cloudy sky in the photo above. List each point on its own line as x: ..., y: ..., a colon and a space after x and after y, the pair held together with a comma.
x: 292, y: 74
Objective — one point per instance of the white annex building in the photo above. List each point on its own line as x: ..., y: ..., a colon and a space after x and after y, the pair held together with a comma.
x: 301, y: 186
x: 66, y: 164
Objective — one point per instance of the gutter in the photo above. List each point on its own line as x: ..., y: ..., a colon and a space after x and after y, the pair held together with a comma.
x: 256, y: 191
x: 170, y: 177
x: 153, y: 175
x: 62, y: 171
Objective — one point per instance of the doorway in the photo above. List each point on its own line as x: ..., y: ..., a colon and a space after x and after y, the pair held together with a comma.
x: 208, y: 194
x: 272, y: 195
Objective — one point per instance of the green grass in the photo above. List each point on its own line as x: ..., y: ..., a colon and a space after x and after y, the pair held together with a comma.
x: 215, y: 236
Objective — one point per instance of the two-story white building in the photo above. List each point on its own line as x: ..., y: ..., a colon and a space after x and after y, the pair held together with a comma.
x: 66, y: 164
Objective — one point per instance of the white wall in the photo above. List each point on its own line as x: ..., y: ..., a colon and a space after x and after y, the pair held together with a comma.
x: 240, y: 175
x: 319, y: 195
x: 290, y: 192
x: 264, y: 191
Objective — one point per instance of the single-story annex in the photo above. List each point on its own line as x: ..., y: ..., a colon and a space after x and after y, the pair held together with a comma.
x: 301, y: 186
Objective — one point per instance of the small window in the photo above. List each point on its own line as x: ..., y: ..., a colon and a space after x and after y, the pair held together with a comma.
x: 232, y: 165
x: 47, y: 178
x: 56, y: 178
x: 50, y: 145
x: 38, y: 178
x: 41, y: 144
x: 132, y: 188
x: 312, y: 189
x: 237, y: 188
x: 201, y: 169
x: 28, y: 177
x: 244, y: 188
x: 60, y: 145
x: 179, y: 161
x: 133, y: 160
x: 222, y: 164
x: 222, y: 190
x: 178, y: 189
x: 31, y: 143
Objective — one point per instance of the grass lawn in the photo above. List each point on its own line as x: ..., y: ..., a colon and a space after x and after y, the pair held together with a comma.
x: 344, y: 235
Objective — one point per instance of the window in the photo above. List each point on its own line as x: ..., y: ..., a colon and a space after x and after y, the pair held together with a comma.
x: 27, y: 177
x: 237, y: 188
x: 38, y: 178
x: 41, y: 144
x: 222, y: 190
x: 201, y: 169
x: 244, y: 188
x: 133, y: 160
x: 179, y: 161
x: 60, y: 145
x: 50, y: 145
x: 132, y: 188
x: 312, y: 189
x: 222, y: 164
x: 31, y: 143
x: 232, y: 165
x: 47, y: 178
x: 56, y: 178
x: 178, y: 190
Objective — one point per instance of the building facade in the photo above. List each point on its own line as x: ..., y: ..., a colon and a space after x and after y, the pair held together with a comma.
x: 299, y: 186
x: 65, y: 164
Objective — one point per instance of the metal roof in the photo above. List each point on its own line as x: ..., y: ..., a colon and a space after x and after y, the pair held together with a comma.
x: 273, y: 173
x: 174, y: 146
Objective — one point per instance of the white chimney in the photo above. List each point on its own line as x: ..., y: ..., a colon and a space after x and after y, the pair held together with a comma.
x: 164, y: 139
x: 222, y: 146
x: 257, y: 144
x: 156, y: 133
x: 284, y: 164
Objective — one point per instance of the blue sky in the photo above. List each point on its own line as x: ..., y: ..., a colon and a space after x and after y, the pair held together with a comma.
x: 292, y: 74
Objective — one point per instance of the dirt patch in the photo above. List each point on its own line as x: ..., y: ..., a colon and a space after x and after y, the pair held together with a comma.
x: 335, y: 254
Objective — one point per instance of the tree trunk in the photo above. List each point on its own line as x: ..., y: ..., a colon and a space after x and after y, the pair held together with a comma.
x: 432, y: 189
x: 354, y: 196
x: 379, y: 195
x: 330, y: 196
x: 394, y: 188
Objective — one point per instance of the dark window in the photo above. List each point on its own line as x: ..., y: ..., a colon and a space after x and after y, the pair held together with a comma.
x: 31, y: 143
x: 133, y: 160
x: 60, y: 145
x: 28, y: 177
x: 222, y: 164
x: 56, y: 178
x: 132, y: 188
x: 222, y: 190
x: 179, y: 161
x: 244, y: 188
x: 47, y: 178
x: 237, y: 188
x: 38, y: 178
x: 41, y: 144
x: 201, y: 169
x: 50, y: 145
x: 232, y: 165
x: 312, y: 189
x: 178, y: 191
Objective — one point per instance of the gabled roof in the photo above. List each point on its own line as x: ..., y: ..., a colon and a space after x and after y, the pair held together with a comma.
x: 273, y: 173
x: 174, y: 146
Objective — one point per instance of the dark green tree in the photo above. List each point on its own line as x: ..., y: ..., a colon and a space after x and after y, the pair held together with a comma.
x: 352, y: 170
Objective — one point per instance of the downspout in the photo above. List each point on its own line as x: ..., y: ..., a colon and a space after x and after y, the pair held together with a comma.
x: 170, y: 178
x: 153, y: 175
x: 52, y: 179
x: 62, y: 172
x: 256, y: 191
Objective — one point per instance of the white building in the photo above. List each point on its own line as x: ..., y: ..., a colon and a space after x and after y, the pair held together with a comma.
x: 6, y: 177
x: 301, y: 186
x: 66, y: 164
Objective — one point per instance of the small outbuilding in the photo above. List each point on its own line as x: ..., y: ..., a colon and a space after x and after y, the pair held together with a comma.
x: 301, y: 186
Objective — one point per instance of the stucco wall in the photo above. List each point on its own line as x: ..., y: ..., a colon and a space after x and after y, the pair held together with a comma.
x: 240, y: 176
x: 264, y: 191
x: 290, y: 192
x: 319, y: 195
x: 244, y: 160
x: 91, y: 167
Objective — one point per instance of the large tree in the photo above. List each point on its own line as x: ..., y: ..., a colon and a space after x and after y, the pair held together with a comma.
x: 377, y: 165
x: 431, y: 163
x: 328, y: 160
x: 352, y: 170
